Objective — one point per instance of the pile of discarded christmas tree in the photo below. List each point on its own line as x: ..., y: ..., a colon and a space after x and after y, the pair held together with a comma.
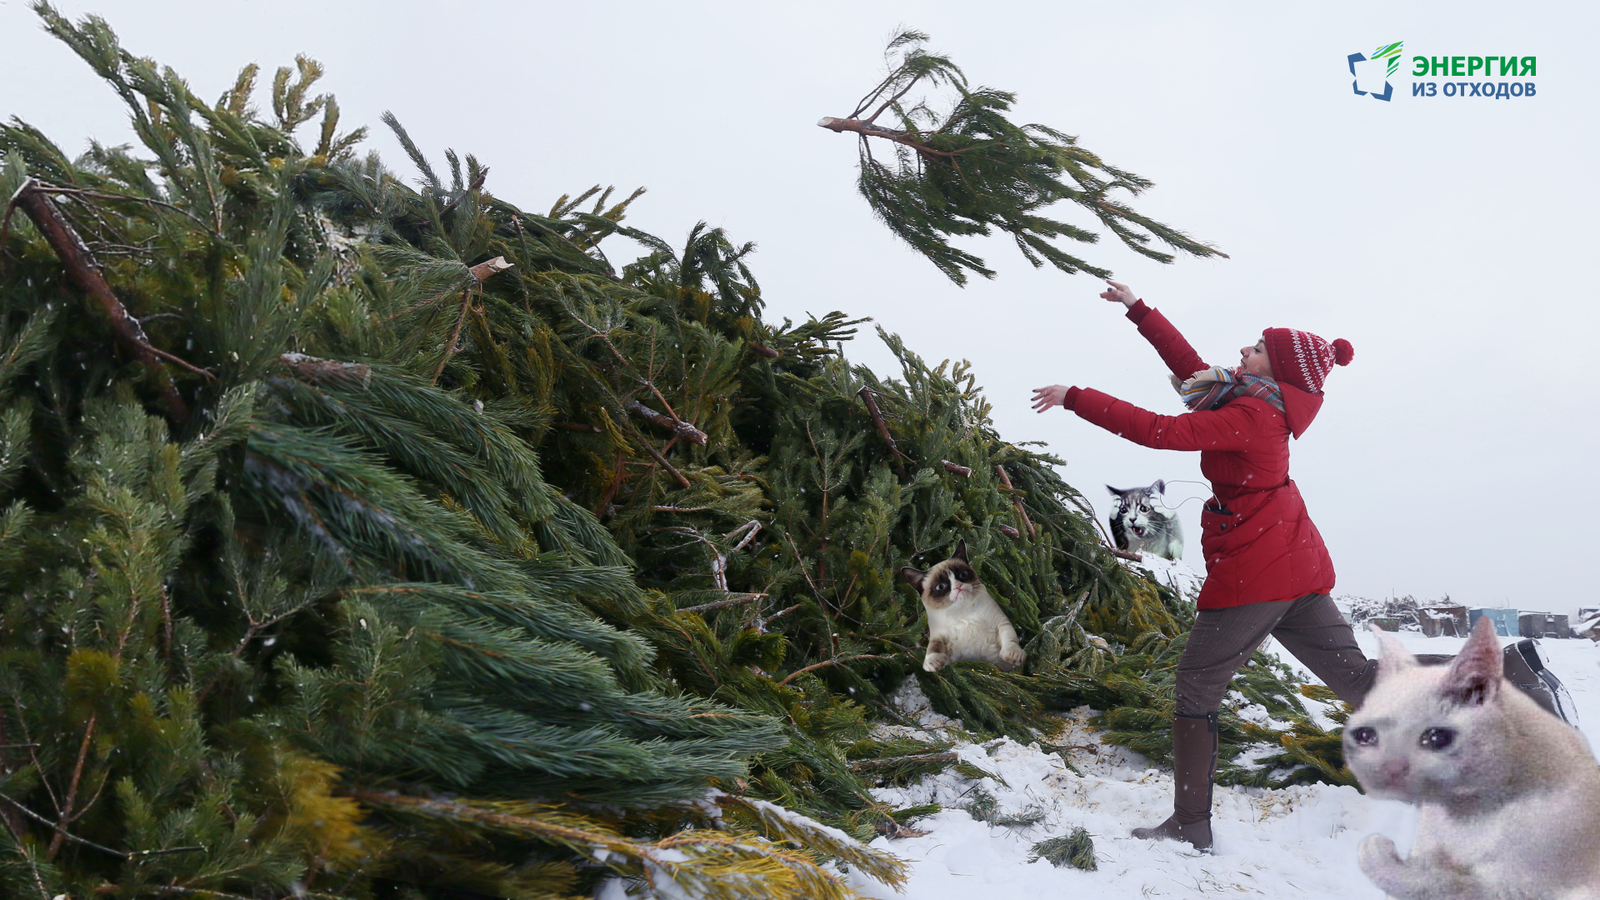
x: 367, y: 540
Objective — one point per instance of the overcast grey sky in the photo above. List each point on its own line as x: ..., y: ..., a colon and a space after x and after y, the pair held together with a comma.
x: 1447, y: 238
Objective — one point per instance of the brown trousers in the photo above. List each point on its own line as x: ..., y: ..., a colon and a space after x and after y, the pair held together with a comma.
x: 1311, y: 628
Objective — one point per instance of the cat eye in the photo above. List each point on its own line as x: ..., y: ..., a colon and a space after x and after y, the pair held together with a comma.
x: 963, y: 575
x: 1365, y: 736
x: 941, y: 587
x: 1438, y: 738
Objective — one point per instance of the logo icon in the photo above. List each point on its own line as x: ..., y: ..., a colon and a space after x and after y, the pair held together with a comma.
x: 1387, y: 58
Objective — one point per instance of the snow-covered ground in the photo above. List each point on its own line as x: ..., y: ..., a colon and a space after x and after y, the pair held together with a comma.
x: 1296, y: 842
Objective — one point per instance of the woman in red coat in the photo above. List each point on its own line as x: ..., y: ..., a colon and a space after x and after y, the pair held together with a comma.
x: 1267, y: 571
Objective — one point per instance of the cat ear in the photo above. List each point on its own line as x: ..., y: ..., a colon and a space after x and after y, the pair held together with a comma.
x: 961, y: 551
x: 913, y: 577
x: 1393, y: 657
x: 1114, y: 491
x: 1474, y: 676
x: 1160, y: 487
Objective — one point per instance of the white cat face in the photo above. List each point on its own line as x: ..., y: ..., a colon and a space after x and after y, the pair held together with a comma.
x: 1430, y: 733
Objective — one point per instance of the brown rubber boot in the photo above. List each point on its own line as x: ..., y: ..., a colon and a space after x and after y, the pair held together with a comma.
x: 1194, y: 765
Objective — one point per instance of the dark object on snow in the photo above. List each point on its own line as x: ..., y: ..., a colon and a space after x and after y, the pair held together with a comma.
x: 1505, y: 620
x: 1387, y: 623
x: 1539, y: 625
x: 1443, y: 621
x: 1524, y: 668
x: 1076, y: 850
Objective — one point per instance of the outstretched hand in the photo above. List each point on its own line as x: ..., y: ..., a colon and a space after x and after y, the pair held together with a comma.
x: 1119, y: 293
x: 1049, y: 397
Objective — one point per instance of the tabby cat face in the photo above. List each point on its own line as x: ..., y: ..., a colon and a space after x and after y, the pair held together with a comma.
x: 947, y: 582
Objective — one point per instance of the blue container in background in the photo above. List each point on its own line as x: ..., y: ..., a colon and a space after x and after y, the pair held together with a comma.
x: 1505, y: 620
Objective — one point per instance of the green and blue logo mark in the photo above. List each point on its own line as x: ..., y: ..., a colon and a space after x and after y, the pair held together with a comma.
x: 1478, y: 74
x: 1388, y: 52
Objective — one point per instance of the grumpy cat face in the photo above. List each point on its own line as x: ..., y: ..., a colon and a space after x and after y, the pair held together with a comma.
x: 947, y: 583
x: 964, y: 622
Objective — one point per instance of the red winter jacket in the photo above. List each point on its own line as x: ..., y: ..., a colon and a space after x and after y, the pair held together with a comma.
x: 1258, y: 540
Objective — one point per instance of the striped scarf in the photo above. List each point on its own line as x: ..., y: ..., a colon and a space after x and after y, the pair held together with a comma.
x: 1213, y: 387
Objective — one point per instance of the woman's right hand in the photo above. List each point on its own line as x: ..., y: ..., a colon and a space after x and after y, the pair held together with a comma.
x: 1050, y: 397
x: 1119, y: 293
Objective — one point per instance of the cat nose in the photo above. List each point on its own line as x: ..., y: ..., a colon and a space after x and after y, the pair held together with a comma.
x: 1394, y: 771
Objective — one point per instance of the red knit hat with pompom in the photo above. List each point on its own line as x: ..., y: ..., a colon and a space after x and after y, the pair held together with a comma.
x: 1302, y: 359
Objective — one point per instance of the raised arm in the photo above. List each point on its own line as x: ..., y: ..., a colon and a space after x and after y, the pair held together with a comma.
x: 1233, y: 427
x: 1175, y: 351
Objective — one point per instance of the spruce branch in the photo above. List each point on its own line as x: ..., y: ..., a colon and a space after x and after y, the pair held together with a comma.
x: 971, y: 170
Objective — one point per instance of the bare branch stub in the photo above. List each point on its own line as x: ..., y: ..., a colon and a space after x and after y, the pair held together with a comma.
x: 316, y: 370
x: 482, y: 271
x: 677, y: 426
x: 956, y: 468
